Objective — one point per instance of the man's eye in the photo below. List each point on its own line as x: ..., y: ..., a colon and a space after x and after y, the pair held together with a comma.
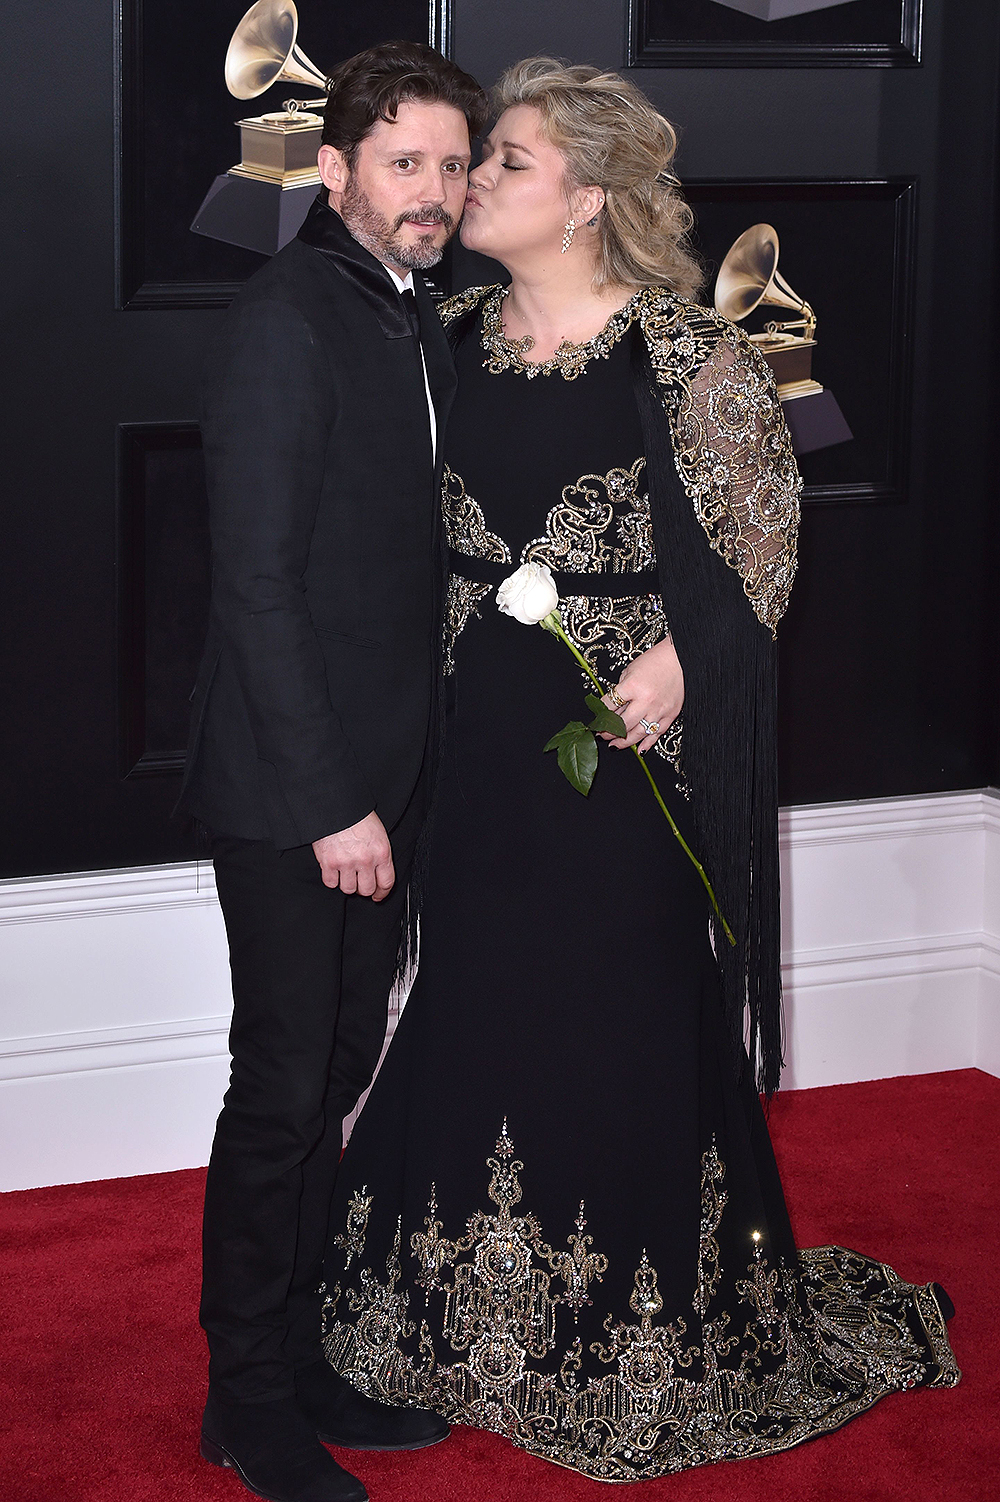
x: 404, y: 161
x: 455, y: 168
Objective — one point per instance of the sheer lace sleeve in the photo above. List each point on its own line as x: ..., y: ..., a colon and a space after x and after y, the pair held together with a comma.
x: 734, y: 455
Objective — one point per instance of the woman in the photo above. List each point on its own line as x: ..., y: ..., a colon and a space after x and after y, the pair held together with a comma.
x: 559, y: 1216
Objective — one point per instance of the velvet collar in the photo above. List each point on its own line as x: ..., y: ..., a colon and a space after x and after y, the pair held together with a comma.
x: 326, y: 232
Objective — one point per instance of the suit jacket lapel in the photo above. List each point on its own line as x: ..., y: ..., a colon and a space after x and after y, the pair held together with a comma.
x: 326, y: 232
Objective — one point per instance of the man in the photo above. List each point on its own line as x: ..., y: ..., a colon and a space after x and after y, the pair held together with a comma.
x: 312, y: 730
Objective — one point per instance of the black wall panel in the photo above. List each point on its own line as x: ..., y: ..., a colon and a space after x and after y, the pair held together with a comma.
x: 704, y: 33
x: 164, y: 577
x: 890, y: 646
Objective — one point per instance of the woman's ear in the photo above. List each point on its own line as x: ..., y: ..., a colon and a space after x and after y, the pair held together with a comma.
x: 588, y: 203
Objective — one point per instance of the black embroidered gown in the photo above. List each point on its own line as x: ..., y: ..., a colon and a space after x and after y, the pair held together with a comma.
x: 559, y: 1216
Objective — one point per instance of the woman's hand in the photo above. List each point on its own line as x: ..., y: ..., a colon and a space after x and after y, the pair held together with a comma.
x: 653, y: 689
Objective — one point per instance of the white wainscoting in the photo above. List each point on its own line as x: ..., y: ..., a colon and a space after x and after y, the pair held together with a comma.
x: 115, y: 984
x: 891, y: 937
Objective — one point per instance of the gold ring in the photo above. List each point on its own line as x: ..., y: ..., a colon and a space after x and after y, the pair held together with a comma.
x: 616, y: 698
x: 651, y: 727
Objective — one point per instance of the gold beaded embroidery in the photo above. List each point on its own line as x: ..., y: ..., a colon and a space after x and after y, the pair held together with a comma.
x: 602, y: 523
x: 461, y: 303
x: 569, y: 360
x: 467, y: 532
x: 352, y: 1240
x: 731, y: 442
x: 713, y: 1202
x: 465, y: 525
x: 819, y: 1342
x: 622, y: 626
x: 576, y: 532
x: 462, y: 602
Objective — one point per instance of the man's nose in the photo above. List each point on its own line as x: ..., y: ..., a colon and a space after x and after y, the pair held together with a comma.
x: 433, y: 188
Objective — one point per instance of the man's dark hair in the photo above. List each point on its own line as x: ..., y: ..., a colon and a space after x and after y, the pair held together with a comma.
x: 372, y: 86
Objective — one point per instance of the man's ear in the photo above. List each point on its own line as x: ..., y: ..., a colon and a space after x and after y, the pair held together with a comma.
x: 333, y: 168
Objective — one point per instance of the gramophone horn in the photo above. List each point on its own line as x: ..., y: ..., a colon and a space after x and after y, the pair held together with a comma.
x: 749, y: 276
x: 263, y: 52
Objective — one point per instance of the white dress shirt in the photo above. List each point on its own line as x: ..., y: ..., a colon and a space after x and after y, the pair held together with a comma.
x: 405, y: 284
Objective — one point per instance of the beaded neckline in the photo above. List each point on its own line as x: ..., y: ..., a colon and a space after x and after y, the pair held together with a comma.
x: 570, y: 360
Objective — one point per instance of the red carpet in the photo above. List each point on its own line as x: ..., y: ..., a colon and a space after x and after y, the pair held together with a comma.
x: 103, y: 1373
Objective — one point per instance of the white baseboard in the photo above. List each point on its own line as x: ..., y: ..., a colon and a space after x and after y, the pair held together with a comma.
x: 988, y: 1025
x: 116, y: 983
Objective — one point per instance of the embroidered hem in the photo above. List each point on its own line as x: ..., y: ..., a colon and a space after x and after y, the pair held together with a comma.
x: 796, y: 1352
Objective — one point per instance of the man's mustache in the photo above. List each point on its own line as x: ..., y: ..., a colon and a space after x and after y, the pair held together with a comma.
x: 425, y: 216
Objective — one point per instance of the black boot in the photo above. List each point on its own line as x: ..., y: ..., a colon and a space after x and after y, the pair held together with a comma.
x: 274, y: 1451
x: 345, y: 1417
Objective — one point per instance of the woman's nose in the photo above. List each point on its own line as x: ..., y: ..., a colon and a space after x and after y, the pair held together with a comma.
x: 477, y: 178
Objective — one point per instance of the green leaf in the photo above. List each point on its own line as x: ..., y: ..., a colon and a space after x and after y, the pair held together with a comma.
x: 576, y: 751
x: 570, y: 732
x: 605, y: 721
x: 578, y: 762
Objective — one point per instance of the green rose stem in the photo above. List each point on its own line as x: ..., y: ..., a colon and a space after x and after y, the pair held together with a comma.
x: 553, y: 623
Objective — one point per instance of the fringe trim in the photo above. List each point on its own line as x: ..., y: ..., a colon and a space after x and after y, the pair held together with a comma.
x: 730, y: 678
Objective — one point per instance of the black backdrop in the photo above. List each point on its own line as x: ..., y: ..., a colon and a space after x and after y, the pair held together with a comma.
x: 889, y: 651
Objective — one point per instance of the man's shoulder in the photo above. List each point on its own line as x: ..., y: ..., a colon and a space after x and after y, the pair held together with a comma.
x: 296, y: 275
x: 286, y: 312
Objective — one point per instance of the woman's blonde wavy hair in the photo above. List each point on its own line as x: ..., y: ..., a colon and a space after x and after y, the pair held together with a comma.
x: 611, y: 137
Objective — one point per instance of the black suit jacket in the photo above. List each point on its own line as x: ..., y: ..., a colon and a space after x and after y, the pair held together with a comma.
x: 313, y: 701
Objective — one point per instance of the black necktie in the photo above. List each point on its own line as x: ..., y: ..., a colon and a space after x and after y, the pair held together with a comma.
x: 412, y: 312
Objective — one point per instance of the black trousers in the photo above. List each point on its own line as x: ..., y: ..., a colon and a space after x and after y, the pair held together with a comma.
x: 312, y: 971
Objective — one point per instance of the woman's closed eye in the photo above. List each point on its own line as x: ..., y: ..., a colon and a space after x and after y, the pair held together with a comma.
x: 489, y: 150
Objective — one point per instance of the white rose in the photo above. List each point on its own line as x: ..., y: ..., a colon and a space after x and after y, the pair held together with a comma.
x: 529, y: 595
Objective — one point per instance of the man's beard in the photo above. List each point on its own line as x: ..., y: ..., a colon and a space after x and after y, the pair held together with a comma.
x: 381, y: 236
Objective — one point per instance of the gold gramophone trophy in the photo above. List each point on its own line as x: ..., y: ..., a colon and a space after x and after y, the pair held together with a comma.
x: 261, y: 202
x: 749, y: 278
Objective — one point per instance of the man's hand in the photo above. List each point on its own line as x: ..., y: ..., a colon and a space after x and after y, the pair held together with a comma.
x: 358, y: 859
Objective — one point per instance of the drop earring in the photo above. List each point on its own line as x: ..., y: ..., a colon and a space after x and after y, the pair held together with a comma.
x: 568, y: 234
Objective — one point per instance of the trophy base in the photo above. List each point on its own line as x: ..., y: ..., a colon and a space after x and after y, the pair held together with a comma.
x: 300, y: 177
x: 815, y: 421
x: 260, y: 216
x: 778, y: 10
x: 789, y: 390
x: 790, y: 359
